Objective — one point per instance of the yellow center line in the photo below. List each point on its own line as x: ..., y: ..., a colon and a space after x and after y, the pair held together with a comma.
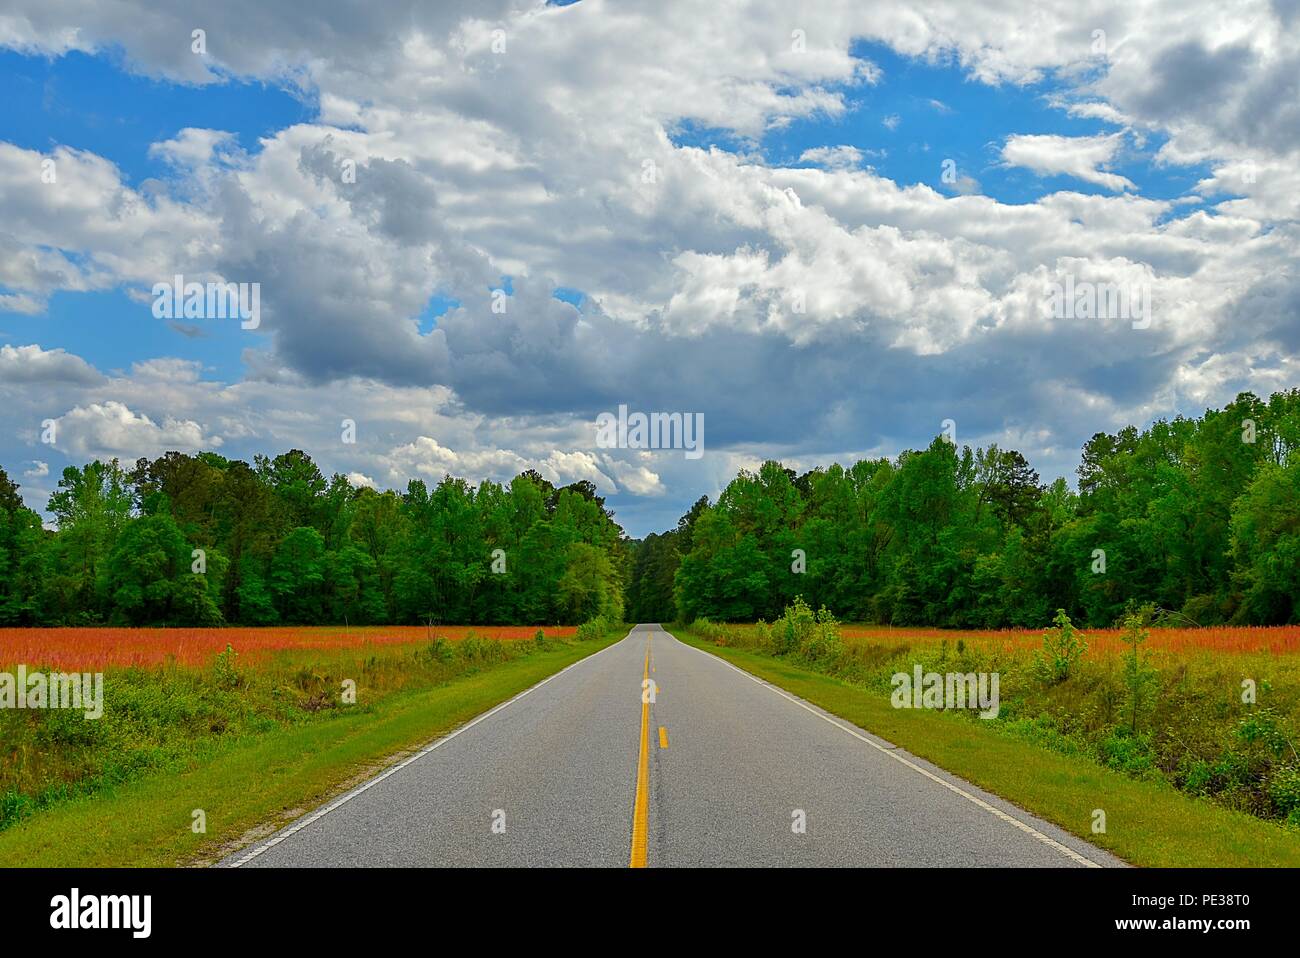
x: 641, y: 806
x: 663, y: 737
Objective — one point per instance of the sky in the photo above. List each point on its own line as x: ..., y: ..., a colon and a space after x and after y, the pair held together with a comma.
x: 826, y: 229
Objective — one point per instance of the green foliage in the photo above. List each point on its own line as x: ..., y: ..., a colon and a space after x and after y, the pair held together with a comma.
x: 440, y: 650
x: 1063, y: 647
x: 597, y: 628
x: 1139, y: 676
x: 1126, y: 752
x: 1265, y: 727
x: 224, y: 673
x: 812, y: 637
x: 280, y: 543
x: 1190, y: 514
x: 1284, y: 790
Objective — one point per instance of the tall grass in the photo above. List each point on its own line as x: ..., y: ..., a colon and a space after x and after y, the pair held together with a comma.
x: 171, y: 717
x: 1156, y: 703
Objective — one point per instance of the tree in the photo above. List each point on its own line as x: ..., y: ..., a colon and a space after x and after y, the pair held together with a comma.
x: 21, y: 543
x: 150, y: 580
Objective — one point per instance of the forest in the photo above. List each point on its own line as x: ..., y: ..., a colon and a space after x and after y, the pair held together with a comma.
x: 204, y: 540
x: 1200, y: 516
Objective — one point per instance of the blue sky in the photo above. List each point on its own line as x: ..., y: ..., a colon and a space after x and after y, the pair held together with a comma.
x: 1161, y: 162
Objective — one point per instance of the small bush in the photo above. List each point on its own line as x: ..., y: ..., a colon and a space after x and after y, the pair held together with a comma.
x: 1063, y: 647
x: 474, y: 649
x: 223, y: 668
x: 716, y: 632
x: 1284, y: 790
x: 593, y: 629
x: 1127, y: 753
x: 1139, y: 676
x: 440, y: 650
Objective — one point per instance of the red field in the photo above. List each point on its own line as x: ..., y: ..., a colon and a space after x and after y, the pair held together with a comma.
x: 91, y: 649
x: 1279, y: 640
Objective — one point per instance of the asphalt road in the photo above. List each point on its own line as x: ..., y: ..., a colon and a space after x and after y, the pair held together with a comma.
x: 551, y: 777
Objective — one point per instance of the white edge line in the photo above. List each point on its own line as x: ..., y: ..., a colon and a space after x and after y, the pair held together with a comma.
x: 1009, y: 819
x: 342, y: 800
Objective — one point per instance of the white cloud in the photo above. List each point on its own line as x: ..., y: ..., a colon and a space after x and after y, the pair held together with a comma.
x: 192, y: 147
x: 1079, y: 156
x: 110, y: 429
x: 833, y: 157
x: 636, y: 479
x: 918, y: 300
x: 32, y: 364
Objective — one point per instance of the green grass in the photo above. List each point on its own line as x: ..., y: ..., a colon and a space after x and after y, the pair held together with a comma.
x: 1148, y: 822
x: 262, y: 779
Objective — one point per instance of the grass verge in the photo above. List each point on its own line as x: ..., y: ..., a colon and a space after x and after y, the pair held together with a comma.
x: 248, y: 786
x: 1148, y: 823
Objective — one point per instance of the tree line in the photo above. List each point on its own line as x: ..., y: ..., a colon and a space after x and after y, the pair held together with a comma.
x: 1199, y: 516
x: 203, y: 540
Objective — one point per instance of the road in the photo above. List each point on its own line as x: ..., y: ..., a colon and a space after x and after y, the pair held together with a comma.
x: 719, y: 769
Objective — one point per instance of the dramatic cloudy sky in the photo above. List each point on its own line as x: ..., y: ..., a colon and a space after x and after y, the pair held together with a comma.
x: 735, y: 209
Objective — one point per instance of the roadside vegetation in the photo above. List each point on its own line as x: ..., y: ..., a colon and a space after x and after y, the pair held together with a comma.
x: 1216, y: 725
x: 163, y: 725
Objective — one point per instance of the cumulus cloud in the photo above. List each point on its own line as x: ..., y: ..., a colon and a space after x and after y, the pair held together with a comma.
x: 1078, y: 156
x: 807, y: 310
x: 429, y: 459
x: 832, y: 157
x: 191, y: 147
x: 32, y: 364
x: 110, y: 429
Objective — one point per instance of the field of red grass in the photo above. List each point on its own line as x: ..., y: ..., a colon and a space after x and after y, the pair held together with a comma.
x: 1278, y: 640
x: 95, y: 649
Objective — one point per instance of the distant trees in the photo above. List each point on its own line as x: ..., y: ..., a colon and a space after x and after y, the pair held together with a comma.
x: 204, y: 540
x: 1197, y: 516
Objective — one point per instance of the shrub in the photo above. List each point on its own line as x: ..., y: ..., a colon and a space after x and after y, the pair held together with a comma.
x: 1063, y: 647
x: 440, y: 650
x: 223, y: 668
x: 1284, y: 790
x: 811, y: 636
x: 472, y: 648
x: 1127, y: 753
x: 1139, y: 676
x: 715, y: 632
x: 594, y: 628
